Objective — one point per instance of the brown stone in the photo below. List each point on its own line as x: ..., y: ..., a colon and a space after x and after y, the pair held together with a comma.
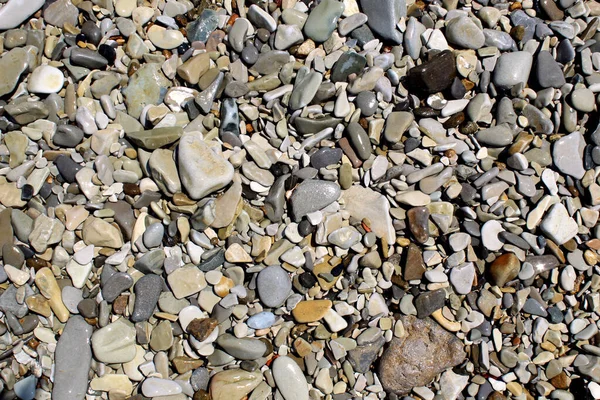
x: 185, y: 364
x: 551, y: 10
x: 201, y: 328
x: 419, y: 356
x: 311, y: 310
x: 561, y: 381
x: 418, y: 222
x: 414, y: 266
x: 504, y: 269
x: 120, y: 304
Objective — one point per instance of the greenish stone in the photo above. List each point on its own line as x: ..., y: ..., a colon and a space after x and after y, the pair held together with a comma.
x: 155, y: 138
x: 349, y: 63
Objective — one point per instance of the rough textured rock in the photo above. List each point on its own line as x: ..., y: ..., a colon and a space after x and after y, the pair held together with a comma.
x: 418, y: 357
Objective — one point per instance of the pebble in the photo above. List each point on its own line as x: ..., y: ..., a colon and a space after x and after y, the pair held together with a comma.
x: 273, y: 285
x: 299, y: 199
x: 289, y: 379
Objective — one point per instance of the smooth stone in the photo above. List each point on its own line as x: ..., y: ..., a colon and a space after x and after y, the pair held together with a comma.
x: 261, y: 18
x: 157, y: 387
x: 512, y: 69
x: 504, y: 269
x: 558, y: 225
x: 305, y: 87
x: 360, y: 140
x: 163, y: 170
x: 311, y: 310
x: 461, y: 278
x: 27, y: 112
x: 289, y: 379
x: 155, y: 138
x: 13, y: 64
x: 15, y: 12
x: 348, y: 63
x: 67, y: 136
x: 237, y: 34
x: 45, y: 79
x: 547, y: 71
x: 165, y: 38
x: 234, y: 384
x: 153, y: 235
x: 497, y: 136
x: 115, y: 343
x: 242, y: 348
x: 73, y: 357
x: 418, y: 221
x: 25, y: 388
x: 563, y: 151
x: 115, y: 285
x: 425, y: 350
x: 271, y: 61
x: 273, y: 285
x: 87, y: 58
x: 463, y: 32
x: 262, y: 320
x: 583, y: 100
x: 383, y: 15
x: 287, y: 36
x: 145, y: 87
x: 322, y: 20
x: 147, y: 291
x: 313, y: 195
x: 367, y: 102
x: 201, y: 170
x: 434, y: 75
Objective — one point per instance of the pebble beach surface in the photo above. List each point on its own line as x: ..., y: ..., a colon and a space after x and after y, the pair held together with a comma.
x: 299, y: 199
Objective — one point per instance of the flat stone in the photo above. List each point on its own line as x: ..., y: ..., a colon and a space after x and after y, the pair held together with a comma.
x: 273, y: 285
x: 73, y: 357
x: 13, y: 63
x: 383, y: 17
x: 463, y: 32
x: 234, y: 384
x: 512, y: 68
x: 313, y: 195
x: 547, y: 71
x: 416, y: 358
x: 322, y: 20
x: 558, y: 225
x: 147, y: 291
x: 563, y: 151
x: 242, y: 348
x: 144, y: 88
x: 115, y: 343
x: 14, y: 13
x: 201, y: 170
x: 289, y: 379
x: 434, y: 75
x: 311, y: 310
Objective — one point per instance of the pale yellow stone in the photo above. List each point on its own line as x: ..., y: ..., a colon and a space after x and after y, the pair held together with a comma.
x: 233, y: 384
x: 236, y: 254
x: 46, y: 283
x: 75, y: 216
x: 111, y: 382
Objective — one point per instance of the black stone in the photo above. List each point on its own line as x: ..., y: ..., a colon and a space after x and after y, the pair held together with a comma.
x: 434, y: 75
x: 88, y: 58
x: 26, y: 192
x: 326, y: 156
x: 92, y: 33
x: 67, y: 168
x: 108, y: 52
